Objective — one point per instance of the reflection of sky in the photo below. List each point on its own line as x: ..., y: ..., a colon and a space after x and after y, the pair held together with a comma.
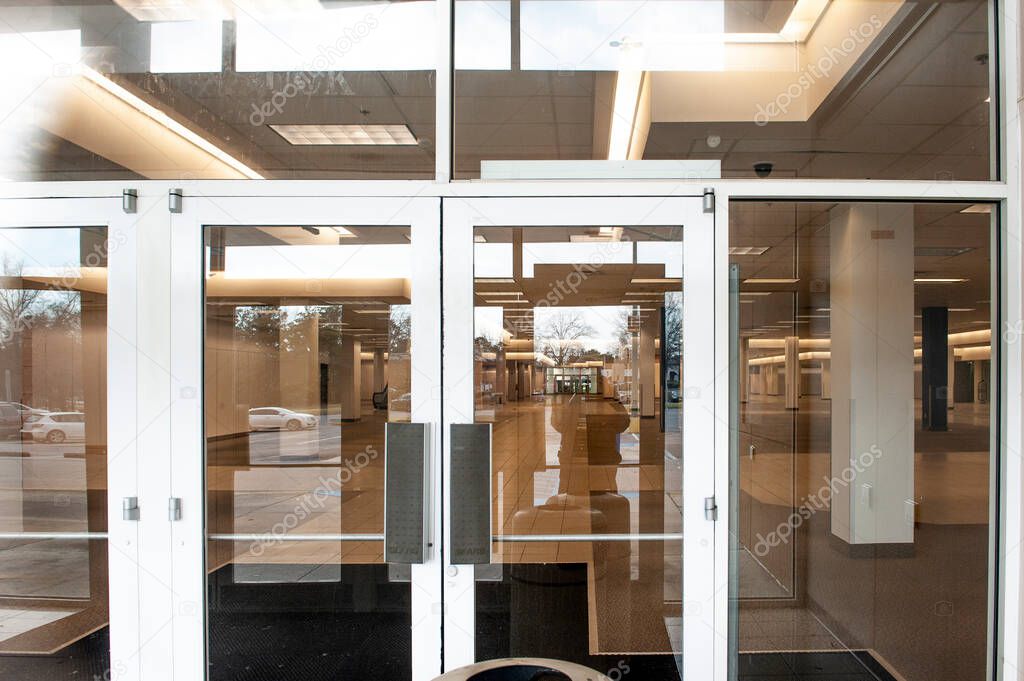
x: 367, y: 261
x: 44, y: 247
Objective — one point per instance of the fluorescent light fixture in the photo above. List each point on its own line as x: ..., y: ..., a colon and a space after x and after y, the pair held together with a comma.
x: 478, y: 280
x: 655, y: 281
x: 978, y: 208
x: 755, y: 293
x: 770, y: 281
x: 938, y: 280
x: 479, y: 239
x: 961, y: 309
x: 343, y: 233
x: 381, y: 311
x: 748, y: 250
x: 346, y: 135
x: 166, y: 121
x: 509, y: 302
x: 642, y: 293
x: 498, y: 293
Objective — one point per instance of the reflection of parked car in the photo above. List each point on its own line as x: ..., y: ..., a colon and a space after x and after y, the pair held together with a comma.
x: 56, y: 427
x: 10, y: 420
x: 276, y: 418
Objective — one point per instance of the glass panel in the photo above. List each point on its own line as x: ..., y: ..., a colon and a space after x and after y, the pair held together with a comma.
x: 865, y: 389
x: 54, y: 612
x: 577, y: 368
x: 727, y: 88
x: 311, y: 90
x: 307, y: 359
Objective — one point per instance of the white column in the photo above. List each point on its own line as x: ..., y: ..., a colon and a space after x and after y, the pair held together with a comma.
x: 380, y: 377
x: 349, y: 370
x: 792, y: 372
x: 872, y: 323
x: 744, y: 369
x: 649, y: 327
x: 826, y: 379
x: 950, y: 378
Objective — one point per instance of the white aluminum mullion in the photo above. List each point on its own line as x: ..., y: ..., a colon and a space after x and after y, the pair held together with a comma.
x: 443, y: 91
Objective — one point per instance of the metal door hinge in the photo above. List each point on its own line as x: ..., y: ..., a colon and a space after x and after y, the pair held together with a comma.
x: 130, y: 508
x: 130, y: 201
x: 710, y: 509
x: 175, y: 198
x: 709, y: 200
x: 174, y: 509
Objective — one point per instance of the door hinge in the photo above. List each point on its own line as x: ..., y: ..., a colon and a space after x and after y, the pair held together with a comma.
x: 130, y: 200
x: 709, y: 200
x: 175, y: 199
x: 710, y: 509
x: 130, y: 508
x: 174, y: 509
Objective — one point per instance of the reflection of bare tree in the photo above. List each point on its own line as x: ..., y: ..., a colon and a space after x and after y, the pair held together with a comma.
x: 21, y: 306
x: 561, y: 337
x: 16, y: 304
x: 399, y: 328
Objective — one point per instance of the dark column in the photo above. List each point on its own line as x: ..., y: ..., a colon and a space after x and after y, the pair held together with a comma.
x: 934, y: 367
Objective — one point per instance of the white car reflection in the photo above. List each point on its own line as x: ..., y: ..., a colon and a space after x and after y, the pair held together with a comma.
x: 279, y: 418
x: 55, y: 427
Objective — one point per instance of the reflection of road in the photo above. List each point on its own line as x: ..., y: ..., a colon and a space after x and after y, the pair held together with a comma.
x: 322, y: 443
x: 42, y: 450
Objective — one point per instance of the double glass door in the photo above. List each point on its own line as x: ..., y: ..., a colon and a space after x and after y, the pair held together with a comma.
x: 336, y: 444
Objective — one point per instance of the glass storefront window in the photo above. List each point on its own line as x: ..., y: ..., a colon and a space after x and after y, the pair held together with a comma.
x: 863, y: 463
x: 860, y: 89
x: 104, y: 90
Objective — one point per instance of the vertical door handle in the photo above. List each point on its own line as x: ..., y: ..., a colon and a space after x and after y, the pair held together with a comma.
x: 752, y: 451
x: 470, y: 506
x: 407, y: 487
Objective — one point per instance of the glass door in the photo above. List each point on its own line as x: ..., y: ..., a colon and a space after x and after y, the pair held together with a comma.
x: 69, y: 491
x: 320, y: 415
x: 580, y: 511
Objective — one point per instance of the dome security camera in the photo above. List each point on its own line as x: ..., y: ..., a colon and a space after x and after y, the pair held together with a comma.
x: 763, y: 169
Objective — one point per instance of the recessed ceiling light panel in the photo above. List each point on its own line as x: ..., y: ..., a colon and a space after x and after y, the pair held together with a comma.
x: 346, y: 135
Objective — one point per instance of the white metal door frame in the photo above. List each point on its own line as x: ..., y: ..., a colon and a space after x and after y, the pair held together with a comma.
x: 421, y: 214
x: 700, y: 386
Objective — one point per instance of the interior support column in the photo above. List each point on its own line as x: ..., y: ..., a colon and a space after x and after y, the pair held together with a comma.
x: 299, y: 364
x: 649, y: 327
x: 872, y: 323
x: 349, y: 375
x: 934, y: 367
x: 950, y: 376
x: 380, y: 376
x: 744, y: 370
x: 792, y: 372
x: 826, y: 379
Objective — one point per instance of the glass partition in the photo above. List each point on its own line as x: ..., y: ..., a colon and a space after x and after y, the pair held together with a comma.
x: 104, y: 90
x: 864, y: 463
x: 54, y: 594
x: 577, y: 368
x: 307, y: 358
x: 879, y: 89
